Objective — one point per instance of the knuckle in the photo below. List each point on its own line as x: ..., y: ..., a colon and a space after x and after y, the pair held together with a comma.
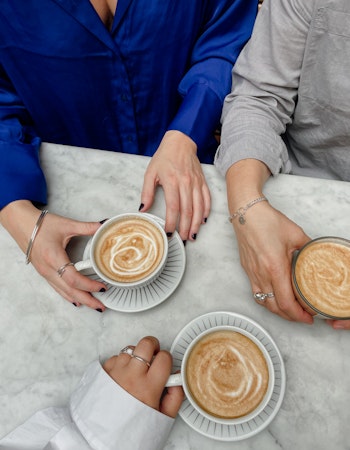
x: 172, y: 180
x: 184, y: 231
x: 274, y: 266
x: 69, y: 278
x: 69, y: 295
x: 283, y: 305
x: 186, y: 180
x: 150, y: 341
x: 173, y: 208
x: 187, y: 212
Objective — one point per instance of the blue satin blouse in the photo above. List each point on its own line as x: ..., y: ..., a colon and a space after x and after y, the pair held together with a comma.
x: 65, y: 78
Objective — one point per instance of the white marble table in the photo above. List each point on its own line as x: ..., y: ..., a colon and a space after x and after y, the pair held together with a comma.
x: 45, y: 343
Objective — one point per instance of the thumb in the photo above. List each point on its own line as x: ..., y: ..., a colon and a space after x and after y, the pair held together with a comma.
x: 86, y: 228
x: 171, y: 401
x: 301, y: 239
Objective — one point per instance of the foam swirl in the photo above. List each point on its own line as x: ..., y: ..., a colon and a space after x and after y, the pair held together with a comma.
x: 129, y: 250
x: 227, y: 374
x: 323, y: 277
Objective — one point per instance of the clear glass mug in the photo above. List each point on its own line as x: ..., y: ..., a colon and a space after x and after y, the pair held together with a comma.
x: 321, y: 277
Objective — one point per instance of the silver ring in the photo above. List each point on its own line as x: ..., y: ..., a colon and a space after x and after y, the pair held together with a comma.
x: 129, y: 351
x: 62, y: 269
x: 261, y: 296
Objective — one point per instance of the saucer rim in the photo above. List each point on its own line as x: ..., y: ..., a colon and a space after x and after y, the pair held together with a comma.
x: 124, y: 291
x: 265, y: 418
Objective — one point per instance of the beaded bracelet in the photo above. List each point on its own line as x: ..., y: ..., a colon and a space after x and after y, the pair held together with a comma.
x: 241, y: 211
x: 35, y: 231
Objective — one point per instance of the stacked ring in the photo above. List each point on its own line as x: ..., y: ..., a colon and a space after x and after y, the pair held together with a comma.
x: 261, y: 296
x: 129, y: 351
x: 62, y: 269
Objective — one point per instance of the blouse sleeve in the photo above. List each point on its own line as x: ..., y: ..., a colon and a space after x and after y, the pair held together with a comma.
x: 101, y: 416
x: 20, y: 174
x: 227, y: 27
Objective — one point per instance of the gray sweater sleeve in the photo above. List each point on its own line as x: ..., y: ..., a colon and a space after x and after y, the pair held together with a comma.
x: 265, y: 84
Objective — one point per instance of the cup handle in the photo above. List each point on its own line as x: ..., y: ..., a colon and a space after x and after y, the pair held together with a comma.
x: 174, y: 380
x: 82, y: 265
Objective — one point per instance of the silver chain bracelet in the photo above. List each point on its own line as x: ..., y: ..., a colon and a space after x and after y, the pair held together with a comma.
x: 241, y: 211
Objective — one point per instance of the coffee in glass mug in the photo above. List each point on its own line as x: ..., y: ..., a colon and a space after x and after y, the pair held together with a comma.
x: 321, y: 277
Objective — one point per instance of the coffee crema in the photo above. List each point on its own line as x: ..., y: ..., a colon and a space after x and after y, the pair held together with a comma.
x: 129, y: 250
x: 227, y: 374
x: 322, y: 277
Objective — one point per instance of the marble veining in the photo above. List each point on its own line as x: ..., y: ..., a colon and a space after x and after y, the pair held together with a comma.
x: 45, y: 343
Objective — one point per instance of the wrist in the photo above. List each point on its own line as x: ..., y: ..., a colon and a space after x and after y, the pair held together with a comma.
x: 181, y: 139
x: 245, y: 181
x: 19, y: 219
x: 240, y: 213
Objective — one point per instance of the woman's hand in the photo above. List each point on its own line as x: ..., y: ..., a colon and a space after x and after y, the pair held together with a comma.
x: 176, y: 168
x: 146, y: 383
x: 48, y: 252
x: 266, y: 243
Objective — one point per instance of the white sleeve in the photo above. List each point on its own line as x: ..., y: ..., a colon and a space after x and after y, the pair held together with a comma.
x: 51, y: 428
x: 101, y: 416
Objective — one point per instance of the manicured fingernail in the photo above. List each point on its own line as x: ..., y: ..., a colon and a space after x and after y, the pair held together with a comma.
x: 99, y: 310
x: 184, y: 242
x: 102, y: 290
x: 74, y: 304
x: 103, y: 221
x: 141, y: 206
x: 194, y: 236
x: 205, y: 219
x: 169, y: 234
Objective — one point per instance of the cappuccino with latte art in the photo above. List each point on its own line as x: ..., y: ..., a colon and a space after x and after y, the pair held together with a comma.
x: 129, y: 249
x: 321, y: 277
x: 227, y: 374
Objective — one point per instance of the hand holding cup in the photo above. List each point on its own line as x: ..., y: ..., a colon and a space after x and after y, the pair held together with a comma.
x: 146, y: 381
x: 227, y: 375
x: 128, y: 251
x: 321, y: 277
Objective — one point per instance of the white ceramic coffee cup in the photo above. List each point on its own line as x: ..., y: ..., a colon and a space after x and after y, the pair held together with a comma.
x: 179, y: 379
x: 90, y: 262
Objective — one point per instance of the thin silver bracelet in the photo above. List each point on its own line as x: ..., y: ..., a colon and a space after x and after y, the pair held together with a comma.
x: 35, y: 231
x: 241, y: 211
